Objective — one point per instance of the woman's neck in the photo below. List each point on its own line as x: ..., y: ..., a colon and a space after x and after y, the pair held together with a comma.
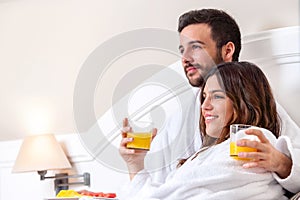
x: 209, y: 141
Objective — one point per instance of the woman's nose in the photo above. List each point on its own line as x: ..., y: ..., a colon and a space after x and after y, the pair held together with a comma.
x: 206, y: 104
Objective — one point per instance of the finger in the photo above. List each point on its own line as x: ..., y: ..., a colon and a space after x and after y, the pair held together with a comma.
x: 140, y: 151
x: 252, y: 155
x: 125, y: 141
x: 252, y: 144
x: 260, y: 163
x: 125, y: 122
x: 257, y: 133
x: 154, y: 133
x: 123, y: 133
x: 124, y: 151
x: 126, y: 129
x: 250, y: 165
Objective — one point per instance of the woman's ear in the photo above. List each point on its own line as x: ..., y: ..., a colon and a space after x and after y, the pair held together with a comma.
x: 234, y: 114
x: 228, y: 51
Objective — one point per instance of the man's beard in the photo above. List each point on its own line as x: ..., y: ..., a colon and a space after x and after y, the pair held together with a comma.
x: 200, y: 80
x: 198, y: 83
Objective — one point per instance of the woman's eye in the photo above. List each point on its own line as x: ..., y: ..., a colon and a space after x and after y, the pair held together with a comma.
x: 219, y: 97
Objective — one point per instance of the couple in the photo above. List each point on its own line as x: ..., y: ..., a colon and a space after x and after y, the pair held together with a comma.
x: 211, y: 36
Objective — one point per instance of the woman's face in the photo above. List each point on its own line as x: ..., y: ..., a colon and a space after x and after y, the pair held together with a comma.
x: 217, y: 108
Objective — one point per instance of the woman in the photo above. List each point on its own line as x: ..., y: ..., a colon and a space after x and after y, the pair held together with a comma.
x: 233, y: 93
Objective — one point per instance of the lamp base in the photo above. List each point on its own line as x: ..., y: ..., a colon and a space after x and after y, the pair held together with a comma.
x: 61, y: 180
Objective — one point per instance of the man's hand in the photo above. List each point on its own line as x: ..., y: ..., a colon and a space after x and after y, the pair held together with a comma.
x: 266, y: 157
x: 134, y: 158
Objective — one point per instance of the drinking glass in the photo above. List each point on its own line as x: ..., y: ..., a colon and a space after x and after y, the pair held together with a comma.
x: 141, y: 132
x: 237, y: 132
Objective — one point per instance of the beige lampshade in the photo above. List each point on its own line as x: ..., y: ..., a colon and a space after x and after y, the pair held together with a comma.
x: 40, y: 152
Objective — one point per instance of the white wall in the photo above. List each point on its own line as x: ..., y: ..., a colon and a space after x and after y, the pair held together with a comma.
x: 44, y: 44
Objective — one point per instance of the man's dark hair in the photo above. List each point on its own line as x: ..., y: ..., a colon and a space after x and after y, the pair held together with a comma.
x: 223, y: 27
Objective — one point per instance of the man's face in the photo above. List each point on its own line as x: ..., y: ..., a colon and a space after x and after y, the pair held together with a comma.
x: 199, y: 52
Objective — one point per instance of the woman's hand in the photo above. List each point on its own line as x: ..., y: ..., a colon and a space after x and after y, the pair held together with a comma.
x: 134, y: 158
x: 266, y: 157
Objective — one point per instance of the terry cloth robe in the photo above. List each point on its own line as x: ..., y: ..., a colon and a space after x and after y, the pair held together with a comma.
x: 210, y: 175
x: 181, y: 138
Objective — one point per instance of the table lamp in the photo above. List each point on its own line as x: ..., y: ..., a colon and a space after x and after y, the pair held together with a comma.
x: 41, y: 153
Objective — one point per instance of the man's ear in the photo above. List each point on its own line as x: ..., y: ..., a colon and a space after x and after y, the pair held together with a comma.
x: 227, y: 51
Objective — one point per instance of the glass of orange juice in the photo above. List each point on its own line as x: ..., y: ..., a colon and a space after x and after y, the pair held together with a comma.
x: 141, y: 132
x: 237, y: 132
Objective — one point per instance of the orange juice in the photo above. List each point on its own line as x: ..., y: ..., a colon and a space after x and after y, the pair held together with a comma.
x: 234, y: 150
x: 140, y: 140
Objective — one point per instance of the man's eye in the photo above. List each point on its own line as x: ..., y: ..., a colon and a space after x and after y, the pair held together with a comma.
x: 196, y: 47
x: 181, y: 51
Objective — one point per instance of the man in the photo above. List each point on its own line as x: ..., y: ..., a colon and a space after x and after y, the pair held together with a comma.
x: 209, y: 37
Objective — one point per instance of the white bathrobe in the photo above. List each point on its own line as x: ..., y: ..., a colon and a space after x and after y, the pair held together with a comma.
x: 181, y: 138
x: 213, y: 174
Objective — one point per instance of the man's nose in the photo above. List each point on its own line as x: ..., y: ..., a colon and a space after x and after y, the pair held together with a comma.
x: 186, y: 57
